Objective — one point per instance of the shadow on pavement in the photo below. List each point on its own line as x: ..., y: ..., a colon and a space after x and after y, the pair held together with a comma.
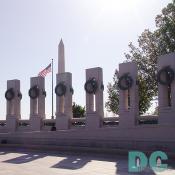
x: 25, y: 158
x: 72, y: 163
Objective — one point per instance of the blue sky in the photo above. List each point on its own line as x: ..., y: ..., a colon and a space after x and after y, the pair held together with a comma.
x: 94, y: 32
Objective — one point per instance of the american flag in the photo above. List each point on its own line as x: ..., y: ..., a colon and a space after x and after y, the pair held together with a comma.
x: 45, y: 71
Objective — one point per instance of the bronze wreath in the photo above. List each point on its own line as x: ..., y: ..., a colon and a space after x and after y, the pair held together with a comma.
x: 10, y: 94
x: 128, y: 82
x: 102, y: 87
x: 20, y: 95
x: 60, y: 89
x: 91, y: 86
x: 44, y: 92
x: 34, y: 92
x: 72, y: 90
x: 169, y: 75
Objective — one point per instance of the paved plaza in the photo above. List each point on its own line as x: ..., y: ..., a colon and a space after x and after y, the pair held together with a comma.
x: 22, y: 162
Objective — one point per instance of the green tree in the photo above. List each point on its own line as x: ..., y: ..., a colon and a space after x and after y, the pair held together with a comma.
x: 150, y: 46
x: 112, y: 103
x: 78, y: 111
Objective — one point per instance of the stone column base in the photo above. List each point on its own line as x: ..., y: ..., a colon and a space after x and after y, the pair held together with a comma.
x: 35, y: 123
x: 93, y: 121
x: 127, y: 119
x: 11, y: 123
x: 62, y: 122
x: 166, y: 117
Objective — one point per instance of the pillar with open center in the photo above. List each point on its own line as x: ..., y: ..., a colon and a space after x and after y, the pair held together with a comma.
x: 13, y: 98
x: 37, y: 102
x: 64, y: 93
x: 94, y: 98
x: 128, y: 95
x: 166, y: 89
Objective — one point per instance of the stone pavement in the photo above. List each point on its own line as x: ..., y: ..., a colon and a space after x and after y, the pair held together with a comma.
x: 30, y: 162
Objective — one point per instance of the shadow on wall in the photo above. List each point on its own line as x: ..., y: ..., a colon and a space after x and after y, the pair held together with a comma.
x: 24, y: 159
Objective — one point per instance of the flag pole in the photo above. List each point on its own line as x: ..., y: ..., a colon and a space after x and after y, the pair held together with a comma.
x: 52, y: 91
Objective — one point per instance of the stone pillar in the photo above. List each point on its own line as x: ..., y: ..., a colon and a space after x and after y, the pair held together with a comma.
x: 13, y: 104
x: 37, y: 105
x: 94, y: 102
x: 64, y: 102
x: 166, y: 111
x: 128, y: 107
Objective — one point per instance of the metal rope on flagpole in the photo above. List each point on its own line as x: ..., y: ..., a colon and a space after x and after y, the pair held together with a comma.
x: 52, y: 91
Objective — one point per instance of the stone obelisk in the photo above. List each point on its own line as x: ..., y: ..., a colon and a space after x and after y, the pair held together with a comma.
x: 61, y: 58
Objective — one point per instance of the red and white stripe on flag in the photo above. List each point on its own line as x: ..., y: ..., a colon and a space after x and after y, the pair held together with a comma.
x: 45, y: 71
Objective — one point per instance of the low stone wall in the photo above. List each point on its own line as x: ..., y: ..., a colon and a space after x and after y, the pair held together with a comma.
x: 145, y: 138
x: 128, y: 131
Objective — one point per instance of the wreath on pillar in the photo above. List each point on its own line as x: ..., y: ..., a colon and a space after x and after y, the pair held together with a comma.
x: 91, y: 86
x: 125, y: 82
x: 72, y: 90
x: 44, y: 92
x: 34, y: 92
x: 10, y: 94
x: 20, y: 95
x: 60, y: 89
x: 102, y: 87
x: 168, y: 72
